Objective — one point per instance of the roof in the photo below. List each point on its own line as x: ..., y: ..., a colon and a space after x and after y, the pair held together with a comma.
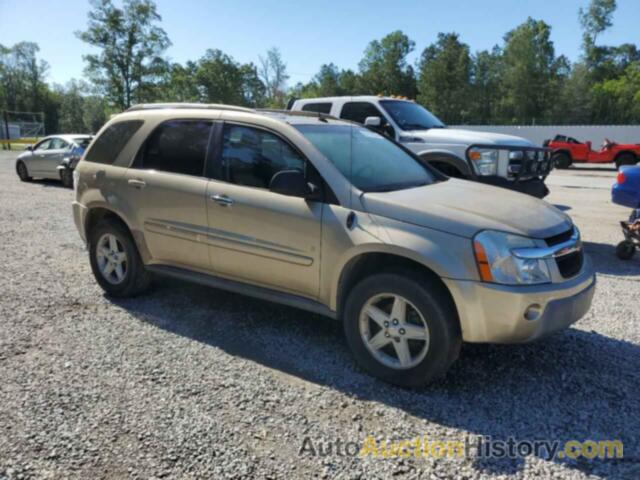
x: 354, y: 98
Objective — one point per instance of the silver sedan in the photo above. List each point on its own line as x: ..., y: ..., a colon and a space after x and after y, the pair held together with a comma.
x: 42, y: 159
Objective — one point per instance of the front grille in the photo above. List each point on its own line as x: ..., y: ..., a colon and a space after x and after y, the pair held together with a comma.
x: 570, y: 265
x: 535, y: 163
x: 562, y: 237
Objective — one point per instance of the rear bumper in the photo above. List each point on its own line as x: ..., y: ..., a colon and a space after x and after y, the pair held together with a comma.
x: 79, y: 217
x: 501, y: 314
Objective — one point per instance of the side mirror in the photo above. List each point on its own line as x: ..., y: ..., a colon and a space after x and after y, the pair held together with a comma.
x: 588, y: 144
x: 292, y: 183
x: 373, y: 122
x: 29, y: 147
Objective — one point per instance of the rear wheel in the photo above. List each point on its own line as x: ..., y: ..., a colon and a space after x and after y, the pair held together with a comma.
x: 22, y: 171
x: 625, y: 159
x: 561, y: 160
x: 625, y: 250
x: 115, y: 261
x: 66, y: 177
x: 402, y: 328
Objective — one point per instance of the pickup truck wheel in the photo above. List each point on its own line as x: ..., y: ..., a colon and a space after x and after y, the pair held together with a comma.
x: 625, y: 159
x: 66, y: 177
x: 561, y: 160
x: 402, y: 328
x: 22, y: 171
x: 115, y: 261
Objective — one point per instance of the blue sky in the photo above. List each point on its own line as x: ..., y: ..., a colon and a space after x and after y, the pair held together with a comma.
x: 308, y: 33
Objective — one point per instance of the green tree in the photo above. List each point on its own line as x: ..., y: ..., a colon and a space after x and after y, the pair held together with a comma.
x: 384, y: 68
x: 595, y: 20
x: 617, y: 100
x: 445, y: 78
x: 72, y: 108
x: 129, y: 65
x: 487, y: 70
x: 529, y: 74
x: 219, y: 79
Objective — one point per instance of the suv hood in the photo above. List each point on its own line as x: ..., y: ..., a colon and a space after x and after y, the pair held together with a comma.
x: 464, y: 208
x: 468, y: 137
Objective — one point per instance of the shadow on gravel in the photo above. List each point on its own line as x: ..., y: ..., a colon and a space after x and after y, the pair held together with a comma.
x: 574, y: 385
x: 605, y: 260
x: 49, y: 183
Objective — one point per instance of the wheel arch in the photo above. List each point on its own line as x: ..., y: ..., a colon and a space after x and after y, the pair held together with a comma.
x: 565, y: 151
x: 448, y: 158
x: 365, y: 263
x: 625, y: 152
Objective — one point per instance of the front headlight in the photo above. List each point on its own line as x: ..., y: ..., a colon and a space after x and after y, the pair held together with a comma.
x: 485, y: 159
x: 497, y: 264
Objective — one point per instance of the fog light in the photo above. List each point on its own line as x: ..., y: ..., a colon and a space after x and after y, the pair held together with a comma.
x: 533, y: 312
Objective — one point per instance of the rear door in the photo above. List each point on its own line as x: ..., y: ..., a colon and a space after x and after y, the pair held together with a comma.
x: 168, y: 187
x: 256, y: 235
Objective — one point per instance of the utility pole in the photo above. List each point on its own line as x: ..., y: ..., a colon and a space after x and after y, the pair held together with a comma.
x: 5, y: 116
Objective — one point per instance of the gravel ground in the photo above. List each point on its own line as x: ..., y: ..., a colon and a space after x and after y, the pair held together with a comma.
x: 193, y: 382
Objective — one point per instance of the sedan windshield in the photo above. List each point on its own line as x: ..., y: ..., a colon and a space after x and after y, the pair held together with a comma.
x: 411, y: 116
x: 370, y: 161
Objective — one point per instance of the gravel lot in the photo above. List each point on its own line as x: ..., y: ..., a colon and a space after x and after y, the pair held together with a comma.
x: 194, y: 382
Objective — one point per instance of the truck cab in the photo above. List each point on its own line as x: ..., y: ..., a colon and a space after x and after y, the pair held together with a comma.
x: 501, y: 160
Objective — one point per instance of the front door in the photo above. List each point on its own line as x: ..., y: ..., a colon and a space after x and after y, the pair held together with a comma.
x: 256, y: 235
x: 168, y: 188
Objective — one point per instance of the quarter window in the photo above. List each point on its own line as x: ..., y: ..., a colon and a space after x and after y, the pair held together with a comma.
x: 317, y: 107
x: 251, y: 157
x: 178, y: 146
x: 110, y: 143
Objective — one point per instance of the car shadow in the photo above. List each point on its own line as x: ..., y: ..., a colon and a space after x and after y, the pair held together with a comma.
x: 606, y: 261
x: 574, y: 385
x: 45, y: 182
x: 592, y: 169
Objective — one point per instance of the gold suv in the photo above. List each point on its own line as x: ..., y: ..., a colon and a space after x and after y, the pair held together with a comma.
x: 330, y: 217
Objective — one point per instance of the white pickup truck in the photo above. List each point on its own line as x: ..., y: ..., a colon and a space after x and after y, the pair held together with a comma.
x: 501, y: 160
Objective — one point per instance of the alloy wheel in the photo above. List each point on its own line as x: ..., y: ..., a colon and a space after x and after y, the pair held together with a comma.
x: 111, y: 258
x: 394, y: 331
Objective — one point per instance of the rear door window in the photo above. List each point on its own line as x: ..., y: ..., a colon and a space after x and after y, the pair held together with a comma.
x: 110, y: 143
x: 178, y: 146
x: 324, y: 107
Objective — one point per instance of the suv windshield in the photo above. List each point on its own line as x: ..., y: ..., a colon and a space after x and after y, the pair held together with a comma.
x: 371, y: 162
x: 411, y: 116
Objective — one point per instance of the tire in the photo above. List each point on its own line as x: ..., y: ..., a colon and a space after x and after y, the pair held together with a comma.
x: 561, y: 160
x: 426, y: 298
x: 625, y: 159
x: 625, y: 250
x: 135, y: 279
x: 66, y: 177
x: 23, y: 173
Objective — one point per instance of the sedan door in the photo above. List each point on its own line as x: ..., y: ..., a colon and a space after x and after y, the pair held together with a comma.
x: 36, y: 159
x: 258, y: 236
x: 50, y: 159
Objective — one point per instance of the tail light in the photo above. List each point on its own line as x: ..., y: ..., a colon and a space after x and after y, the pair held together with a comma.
x: 621, y: 178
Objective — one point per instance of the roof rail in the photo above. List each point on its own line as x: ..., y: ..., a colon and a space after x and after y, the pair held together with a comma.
x: 197, y: 106
x: 296, y: 113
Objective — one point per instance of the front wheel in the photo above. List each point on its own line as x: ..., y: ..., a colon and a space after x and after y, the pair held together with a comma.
x: 561, y: 160
x: 115, y: 261
x: 402, y: 328
x: 22, y: 171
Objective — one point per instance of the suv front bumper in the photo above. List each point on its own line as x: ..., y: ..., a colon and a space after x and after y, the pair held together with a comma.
x: 494, y: 313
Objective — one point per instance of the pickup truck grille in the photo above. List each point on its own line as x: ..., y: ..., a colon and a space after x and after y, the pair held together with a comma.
x: 569, y: 265
x: 536, y: 163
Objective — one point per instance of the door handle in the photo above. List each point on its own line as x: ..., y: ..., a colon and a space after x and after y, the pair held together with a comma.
x: 222, y: 200
x: 136, y: 183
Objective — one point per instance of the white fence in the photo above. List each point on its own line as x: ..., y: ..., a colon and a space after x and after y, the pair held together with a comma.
x: 593, y: 133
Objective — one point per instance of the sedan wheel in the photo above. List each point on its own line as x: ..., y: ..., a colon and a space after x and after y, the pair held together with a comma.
x: 21, y: 168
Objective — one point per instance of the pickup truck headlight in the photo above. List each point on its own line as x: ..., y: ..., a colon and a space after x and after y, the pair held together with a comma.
x: 485, y: 159
x: 497, y: 264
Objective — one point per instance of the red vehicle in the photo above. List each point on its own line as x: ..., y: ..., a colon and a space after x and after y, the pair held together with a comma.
x: 568, y: 150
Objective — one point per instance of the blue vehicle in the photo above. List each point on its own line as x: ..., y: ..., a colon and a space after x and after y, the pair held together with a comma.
x: 626, y: 191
